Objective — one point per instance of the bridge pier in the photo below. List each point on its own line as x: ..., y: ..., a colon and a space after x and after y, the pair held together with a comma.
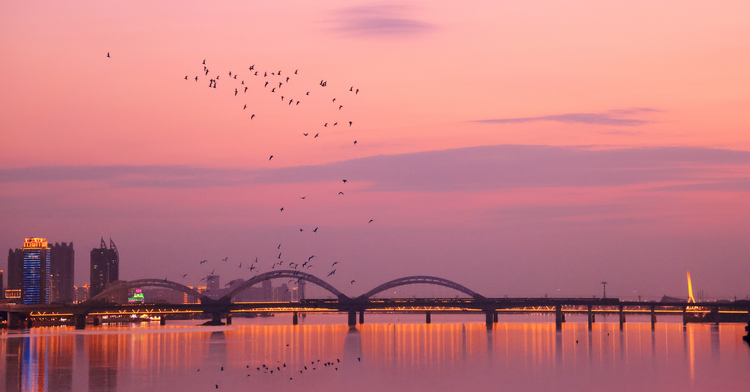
x: 295, y: 319
x: 80, y: 321
x: 97, y: 321
x: 715, y: 314
x: 684, y: 316
x: 488, y: 317
x: 14, y: 320
x: 28, y: 323
x: 653, y: 317
x: 352, y: 318
x: 622, y: 317
x: 229, y: 319
x: 591, y: 317
x: 163, y: 319
x: 362, y: 317
x: 494, y: 317
x: 428, y: 318
x: 559, y: 317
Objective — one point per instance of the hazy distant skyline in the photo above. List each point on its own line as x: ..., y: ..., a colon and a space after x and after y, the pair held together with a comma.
x: 519, y: 149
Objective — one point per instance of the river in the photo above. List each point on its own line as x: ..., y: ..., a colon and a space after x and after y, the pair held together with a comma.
x: 390, y: 352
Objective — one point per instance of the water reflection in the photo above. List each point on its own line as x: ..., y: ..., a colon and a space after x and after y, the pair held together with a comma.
x: 377, y: 356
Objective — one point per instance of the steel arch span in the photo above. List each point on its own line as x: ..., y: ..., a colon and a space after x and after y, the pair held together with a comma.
x: 285, y: 274
x: 420, y: 280
x: 166, y: 284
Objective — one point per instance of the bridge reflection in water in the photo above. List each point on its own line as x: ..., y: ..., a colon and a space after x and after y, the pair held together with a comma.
x: 376, y: 356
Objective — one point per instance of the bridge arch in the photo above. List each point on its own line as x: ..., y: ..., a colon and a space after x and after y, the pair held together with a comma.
x: 420, y: 279
x: 166, y: 284
x: 294, y: 274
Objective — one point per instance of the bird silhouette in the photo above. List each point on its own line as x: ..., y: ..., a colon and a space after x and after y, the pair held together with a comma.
x: 183, y: 276
x: 305, y: 135
x: 316, y: 135
x: 282, y: 209
x: 316, y: 230
x: 186, y: 77
x: 253, y: 116
x: 352, y: 281
x: 341, y: 193
x: 355, y: 142
x: 108, y: 55
x: 295, y: 71
x: 310, y: 258
x: 350, y: 123
x: 336, y: 123
x: 334, y: 263
x: 265, y: 84
x: 273, y: 90
x: 271, y: 157
x: 357, y: 92
x: 370, y: 221
x: 344, y: 181
x: 245, y: 107
x: 278, y: 247
x: 351, y: 88
x: 334, y: 100
x: 204, y: 61
x: 341, y: 106
x: 331, y: 273
x: 303, y: 197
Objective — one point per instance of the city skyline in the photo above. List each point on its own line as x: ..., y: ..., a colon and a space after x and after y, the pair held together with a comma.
x: 519, y: 149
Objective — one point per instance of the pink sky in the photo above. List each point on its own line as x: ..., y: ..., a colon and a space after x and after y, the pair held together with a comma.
x: 517, y: 148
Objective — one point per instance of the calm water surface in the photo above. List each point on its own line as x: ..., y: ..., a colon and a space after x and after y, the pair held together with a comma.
x: 387, y: 353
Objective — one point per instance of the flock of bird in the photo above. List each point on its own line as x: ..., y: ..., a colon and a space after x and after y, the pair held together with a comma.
x: 253, y: 81
x: 281, y: 368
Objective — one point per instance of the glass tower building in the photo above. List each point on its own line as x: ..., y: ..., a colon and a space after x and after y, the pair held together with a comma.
x: 36, y: 272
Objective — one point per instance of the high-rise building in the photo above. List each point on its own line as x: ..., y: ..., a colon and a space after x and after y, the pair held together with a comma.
x: 62, y: 262
x: 36, y: 272
x: 15, y: 269
x: 105, y: 267
x: 2, y: 289
x: 82, y: 293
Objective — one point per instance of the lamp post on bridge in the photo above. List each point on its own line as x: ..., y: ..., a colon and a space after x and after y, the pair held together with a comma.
x: 604, y: 284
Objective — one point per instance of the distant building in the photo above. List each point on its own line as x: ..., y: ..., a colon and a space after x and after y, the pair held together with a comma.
x: 62, y: 263
x: 105, y: 267
x: 212, y: 284
x: 2, y: 289
x: 82, y: 293
x: 15, y: 269
x: 36, y: 272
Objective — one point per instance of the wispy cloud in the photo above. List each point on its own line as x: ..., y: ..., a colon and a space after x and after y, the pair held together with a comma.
x: 380, y: 20
x: 483, y: 168
x: 612, y: 118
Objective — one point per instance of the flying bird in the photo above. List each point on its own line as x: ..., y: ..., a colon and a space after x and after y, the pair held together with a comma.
x: 183, y: 276
x: 316, y: 230
x: 305, y: 135
x: 350, y: 123
x: 355, y: 142
x: 370, y: 221
x: 352, y: 281
x: 316, y: 135
x: 341, y: 193
x: 282, y: 209
x: 331, y: 273
x: 108, y: 55
x: 344, y: 181
x: 270, y: 157
x: 253, y: 116
x: 332, y: 265
x: 303, y: 197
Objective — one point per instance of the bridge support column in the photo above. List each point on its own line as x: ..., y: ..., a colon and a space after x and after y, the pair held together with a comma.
x: 352, y: 318
x: 14, y: 320
x: 494, y: 317
x: 558, y: 317
x: 488, y: 318
x: 97, y: 321
x: 28, y: 324
x: 622, y: 317
x: 163, y: 319
x: 362, y: 317
x: 80, y: 321
x: 684, y: 316
x: 428, y: 318
x: 229, y: 319
x: 591, y: 317
x: 715, y: 313
x: 653, y: 317
x: 295, y: 319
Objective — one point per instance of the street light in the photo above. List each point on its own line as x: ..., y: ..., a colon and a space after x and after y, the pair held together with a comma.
x: 604, y: 284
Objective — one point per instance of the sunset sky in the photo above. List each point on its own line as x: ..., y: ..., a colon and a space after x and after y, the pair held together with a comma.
x: 518, y: 148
